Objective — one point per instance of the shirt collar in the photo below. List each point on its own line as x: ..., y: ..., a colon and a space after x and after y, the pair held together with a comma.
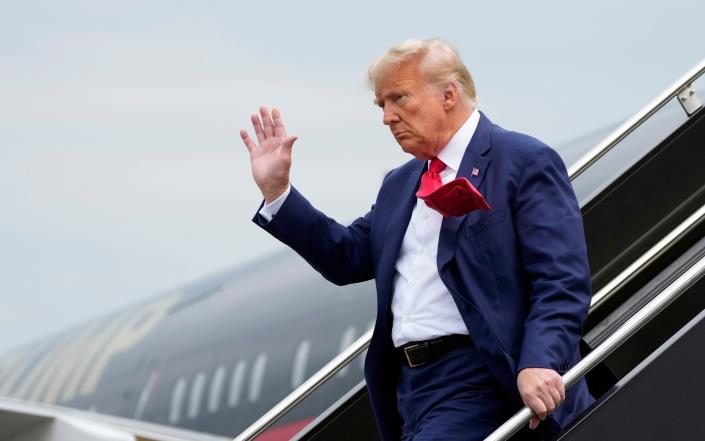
x: 452, y: 153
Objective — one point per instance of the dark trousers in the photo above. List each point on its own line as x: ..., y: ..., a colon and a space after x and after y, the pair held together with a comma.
x: 453, y: 398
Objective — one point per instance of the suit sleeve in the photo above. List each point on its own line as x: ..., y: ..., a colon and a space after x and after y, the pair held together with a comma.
x: 340, y: 253
x: 549, y: 227
x: 269, y: 210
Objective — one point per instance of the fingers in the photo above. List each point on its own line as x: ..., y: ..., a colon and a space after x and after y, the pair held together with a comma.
x: 540, y: 408
x: 257, y: 124
x: 248, y: 141
x: 543, y: 405
x: 556, y: 395
x: 266, y: 122
x: 279, y: 129
x: 267, y: 126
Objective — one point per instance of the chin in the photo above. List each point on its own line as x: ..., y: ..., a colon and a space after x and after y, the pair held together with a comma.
x: 416, y: 153
x: 413, y: 150
x: 422, y: 156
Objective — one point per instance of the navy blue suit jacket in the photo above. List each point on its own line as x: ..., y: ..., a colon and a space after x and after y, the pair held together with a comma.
x: 518, y: 273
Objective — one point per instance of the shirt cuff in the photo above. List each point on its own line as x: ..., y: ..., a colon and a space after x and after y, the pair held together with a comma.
x: 269, y: 210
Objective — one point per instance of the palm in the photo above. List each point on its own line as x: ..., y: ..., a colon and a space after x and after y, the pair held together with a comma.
x: 271, y: 159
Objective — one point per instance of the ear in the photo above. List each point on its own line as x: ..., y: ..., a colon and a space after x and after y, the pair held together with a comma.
x: 450, y: 97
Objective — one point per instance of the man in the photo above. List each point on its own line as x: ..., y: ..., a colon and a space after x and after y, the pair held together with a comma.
x: 477, y: 313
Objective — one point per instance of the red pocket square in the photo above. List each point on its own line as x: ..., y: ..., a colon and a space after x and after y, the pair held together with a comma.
x: 456, y: 198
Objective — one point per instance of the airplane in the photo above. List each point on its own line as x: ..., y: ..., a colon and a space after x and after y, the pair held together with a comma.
x: 210, y: 357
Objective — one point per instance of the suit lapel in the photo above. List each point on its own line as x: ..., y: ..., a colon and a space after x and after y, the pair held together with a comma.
x: 472, y: 159
x: 394, y: 233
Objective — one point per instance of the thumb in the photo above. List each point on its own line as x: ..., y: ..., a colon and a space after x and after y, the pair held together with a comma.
x: 289, y: 142
x: 534, y: 423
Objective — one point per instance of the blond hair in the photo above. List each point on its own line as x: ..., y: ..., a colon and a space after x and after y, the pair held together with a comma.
x: 440, y: 64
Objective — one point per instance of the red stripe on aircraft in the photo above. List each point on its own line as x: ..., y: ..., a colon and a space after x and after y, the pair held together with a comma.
x: 284, y: 433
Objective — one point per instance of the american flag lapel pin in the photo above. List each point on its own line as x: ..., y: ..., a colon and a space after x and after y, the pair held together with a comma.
x: 475, y: 171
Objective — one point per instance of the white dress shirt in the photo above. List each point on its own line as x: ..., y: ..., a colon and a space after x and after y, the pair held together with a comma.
x: 422, y: 306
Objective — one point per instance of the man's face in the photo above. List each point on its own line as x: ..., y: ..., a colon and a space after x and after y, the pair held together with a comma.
x: 413, y: 111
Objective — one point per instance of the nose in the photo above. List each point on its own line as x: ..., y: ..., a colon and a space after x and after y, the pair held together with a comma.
x: 390, y: 115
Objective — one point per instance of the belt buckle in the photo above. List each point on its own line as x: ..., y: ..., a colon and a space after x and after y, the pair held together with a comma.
x: 406, y: 353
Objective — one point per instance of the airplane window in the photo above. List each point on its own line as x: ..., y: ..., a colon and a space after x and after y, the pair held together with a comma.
x: 346, y: 340
x: 194, y: 405
x: 144, y: 395
x: 216, y: 389
x: 298, y: 369
x: 236, y: 383
x: 258, y: 368
x: 177, y: 399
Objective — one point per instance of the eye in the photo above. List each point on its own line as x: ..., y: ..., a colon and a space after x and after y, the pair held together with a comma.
x: 399, y: 97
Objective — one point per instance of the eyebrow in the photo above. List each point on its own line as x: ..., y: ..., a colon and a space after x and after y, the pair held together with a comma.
x: 392, y: 93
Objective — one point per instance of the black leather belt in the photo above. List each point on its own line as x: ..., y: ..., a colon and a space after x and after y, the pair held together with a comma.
x: 418, y: 353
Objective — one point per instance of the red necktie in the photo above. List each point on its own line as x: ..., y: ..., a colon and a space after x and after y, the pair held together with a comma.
x: 431, y: 179
x: 455, y: 198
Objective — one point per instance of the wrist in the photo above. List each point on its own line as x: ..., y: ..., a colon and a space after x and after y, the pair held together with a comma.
x: 271, y: 194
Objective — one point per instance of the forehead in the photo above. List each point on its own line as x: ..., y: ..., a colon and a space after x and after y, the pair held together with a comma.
x: 404, y: 76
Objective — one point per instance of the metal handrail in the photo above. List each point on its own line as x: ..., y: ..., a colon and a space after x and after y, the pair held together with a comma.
x: 645, y: 259
x: 635, y: 121
x: 362, y: 343
x: 622, y: 334
x: 301, y: 392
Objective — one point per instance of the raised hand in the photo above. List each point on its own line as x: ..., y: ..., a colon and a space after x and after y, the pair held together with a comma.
x: 271, y: 159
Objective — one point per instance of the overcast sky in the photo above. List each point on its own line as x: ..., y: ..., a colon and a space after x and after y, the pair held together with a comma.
x: 122, y: 173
